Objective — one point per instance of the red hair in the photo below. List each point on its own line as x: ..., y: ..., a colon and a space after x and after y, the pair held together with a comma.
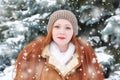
x: 29, y: 57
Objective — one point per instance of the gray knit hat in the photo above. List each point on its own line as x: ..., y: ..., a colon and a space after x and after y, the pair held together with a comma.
x: 64, y: 14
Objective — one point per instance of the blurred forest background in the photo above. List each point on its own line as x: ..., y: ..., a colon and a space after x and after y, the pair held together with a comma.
x: 21, y: 21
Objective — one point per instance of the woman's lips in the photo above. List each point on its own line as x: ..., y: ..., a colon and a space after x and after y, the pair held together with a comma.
x: 61, y: 38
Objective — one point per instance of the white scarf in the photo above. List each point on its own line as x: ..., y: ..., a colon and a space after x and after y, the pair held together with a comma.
x: 62, y: 57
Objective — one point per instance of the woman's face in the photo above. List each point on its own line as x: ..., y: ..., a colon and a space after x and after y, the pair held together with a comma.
x: 62, y: 32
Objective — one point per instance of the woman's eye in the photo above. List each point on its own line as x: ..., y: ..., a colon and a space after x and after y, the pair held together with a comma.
x: 68, y: 28
x: 56, y: 26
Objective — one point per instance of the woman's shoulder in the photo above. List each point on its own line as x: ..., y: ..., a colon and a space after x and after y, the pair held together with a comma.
x: 33, y: 45
x: 35, y: 42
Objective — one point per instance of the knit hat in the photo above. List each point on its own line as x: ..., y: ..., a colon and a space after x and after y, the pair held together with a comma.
x: 64, y: 14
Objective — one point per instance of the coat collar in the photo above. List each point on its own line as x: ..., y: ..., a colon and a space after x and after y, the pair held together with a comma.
x: 72, y: 65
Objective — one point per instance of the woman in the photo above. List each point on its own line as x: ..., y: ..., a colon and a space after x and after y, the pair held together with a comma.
x: 60, y: 55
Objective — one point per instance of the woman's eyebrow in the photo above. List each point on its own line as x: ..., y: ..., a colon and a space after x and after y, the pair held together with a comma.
x: 67, y: 24
x: 57, y: 24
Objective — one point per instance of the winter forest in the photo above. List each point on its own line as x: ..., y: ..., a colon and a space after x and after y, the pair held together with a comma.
x: 21, y: 21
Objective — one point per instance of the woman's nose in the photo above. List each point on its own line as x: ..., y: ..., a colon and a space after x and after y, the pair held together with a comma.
x: 62, y: 31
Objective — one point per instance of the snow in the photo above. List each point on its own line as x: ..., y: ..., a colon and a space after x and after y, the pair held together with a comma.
x: 101, y: 55
x: 90, y: 14
x: 8, y: 73
x: 36, y: 17
x: 112, y: 28
x: 15, y: 40
x: 50, y: 2
x: 114, y: 77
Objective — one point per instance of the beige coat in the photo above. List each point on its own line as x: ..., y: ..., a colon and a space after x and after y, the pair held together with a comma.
x: 51, y: 70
